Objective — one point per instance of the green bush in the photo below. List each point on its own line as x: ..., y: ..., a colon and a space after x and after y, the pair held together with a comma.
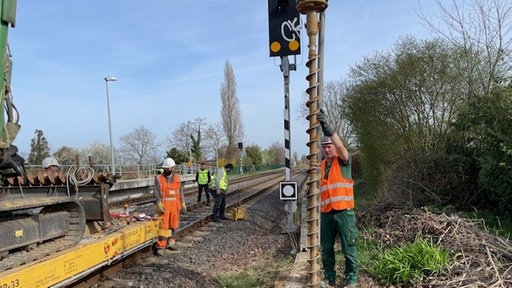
x: 447, y: 179
x: 409, y: 262
x: 485, y: 126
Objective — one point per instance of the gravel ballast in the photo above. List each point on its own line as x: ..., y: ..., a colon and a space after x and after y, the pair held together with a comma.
x: 218, y: 249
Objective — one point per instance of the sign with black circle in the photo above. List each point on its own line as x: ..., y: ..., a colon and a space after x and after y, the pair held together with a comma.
x: 288, y: 190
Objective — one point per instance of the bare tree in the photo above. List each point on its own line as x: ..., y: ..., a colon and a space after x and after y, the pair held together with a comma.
x: 187, y: 138
x: 275, y: 154
x: 180, y: 138
x: 230, y: 112
x: 140, y: 146
x: 213, y: 139
x: 99, y: 153
x: 334, y: 93
x: 483, y: 30
x: 336, y: 111
x: 66, y: 155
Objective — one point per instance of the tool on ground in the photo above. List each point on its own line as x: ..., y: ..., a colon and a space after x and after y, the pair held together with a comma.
x: 239, y: 212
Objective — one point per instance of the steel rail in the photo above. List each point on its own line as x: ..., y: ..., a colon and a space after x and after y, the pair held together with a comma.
x: 199, y: 215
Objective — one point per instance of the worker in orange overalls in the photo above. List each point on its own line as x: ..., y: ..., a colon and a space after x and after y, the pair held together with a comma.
x: 170, y: 201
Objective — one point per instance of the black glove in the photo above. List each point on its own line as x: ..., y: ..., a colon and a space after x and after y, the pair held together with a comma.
x: 326, y: 128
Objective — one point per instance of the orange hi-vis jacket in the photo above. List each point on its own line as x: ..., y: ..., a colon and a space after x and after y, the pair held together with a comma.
x: 171, y: 200
x: 337, y: 192
x: 170, y: 192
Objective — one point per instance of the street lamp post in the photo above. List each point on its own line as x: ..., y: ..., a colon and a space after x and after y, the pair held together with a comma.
x: 112, y: 165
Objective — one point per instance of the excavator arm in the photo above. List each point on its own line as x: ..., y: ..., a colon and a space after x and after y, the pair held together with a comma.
x: 11, y: 164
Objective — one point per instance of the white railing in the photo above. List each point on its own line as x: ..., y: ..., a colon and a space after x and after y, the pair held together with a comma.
x: 132, y: 171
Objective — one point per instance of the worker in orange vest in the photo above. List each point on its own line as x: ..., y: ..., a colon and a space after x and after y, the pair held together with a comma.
x: 169, y: 200
x: 337, y: 216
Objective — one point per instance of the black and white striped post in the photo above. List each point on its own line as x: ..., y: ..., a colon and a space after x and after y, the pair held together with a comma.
x: 291, y: 204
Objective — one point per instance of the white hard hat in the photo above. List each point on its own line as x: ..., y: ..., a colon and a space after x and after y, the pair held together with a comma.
x: 168, y: 163
x: 50, y: 161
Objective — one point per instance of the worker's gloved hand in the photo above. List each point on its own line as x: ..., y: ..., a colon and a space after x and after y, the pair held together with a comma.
x: 160, y: 207
x: 184, y: 206
x: 326, y: 128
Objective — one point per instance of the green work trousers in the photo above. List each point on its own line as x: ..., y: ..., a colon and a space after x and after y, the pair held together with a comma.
x: 341, y: 223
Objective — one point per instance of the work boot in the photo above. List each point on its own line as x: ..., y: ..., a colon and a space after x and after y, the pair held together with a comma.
x: 171, y: 252
x: 159, y: 252
x: 171, y: 244
x: 327, y: 283
x: 172, y: 248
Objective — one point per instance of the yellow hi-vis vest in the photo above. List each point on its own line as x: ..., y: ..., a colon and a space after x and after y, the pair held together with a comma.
x: 223, y: 183
x: 337, y: 192
x: 202, y: 177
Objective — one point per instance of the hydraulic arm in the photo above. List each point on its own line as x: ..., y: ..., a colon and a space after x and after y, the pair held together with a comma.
x: 11, y: 164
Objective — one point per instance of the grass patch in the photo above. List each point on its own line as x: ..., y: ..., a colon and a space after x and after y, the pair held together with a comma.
x: 407, y: 263
x: 261, y: 276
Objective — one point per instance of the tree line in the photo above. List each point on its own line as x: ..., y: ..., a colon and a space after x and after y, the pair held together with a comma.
x: 430, y: 120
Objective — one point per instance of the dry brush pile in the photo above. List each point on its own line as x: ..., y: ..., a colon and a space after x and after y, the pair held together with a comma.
x: 481, y: 259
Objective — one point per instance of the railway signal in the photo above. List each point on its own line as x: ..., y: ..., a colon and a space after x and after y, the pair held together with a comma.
x: 241, y: 148
x: 283, y: 27
x: 284, y: 40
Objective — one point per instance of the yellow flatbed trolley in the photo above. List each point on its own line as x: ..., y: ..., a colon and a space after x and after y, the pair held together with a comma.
x: 69, y: 265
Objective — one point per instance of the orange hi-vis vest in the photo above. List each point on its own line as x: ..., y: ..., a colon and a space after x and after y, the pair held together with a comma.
x: 170, y: 192
x: 337, y: 192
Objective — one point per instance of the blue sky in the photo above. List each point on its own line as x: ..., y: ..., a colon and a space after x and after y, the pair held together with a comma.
x: 169, y: 58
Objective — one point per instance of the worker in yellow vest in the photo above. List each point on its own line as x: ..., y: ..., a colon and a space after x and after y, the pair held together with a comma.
x: 218, y: 189
x: 203, y: 179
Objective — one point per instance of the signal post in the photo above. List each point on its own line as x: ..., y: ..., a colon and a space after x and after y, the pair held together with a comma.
x: 284, y: 40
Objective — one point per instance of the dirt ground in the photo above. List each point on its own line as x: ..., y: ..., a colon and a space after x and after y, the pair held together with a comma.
x: 221, y: 248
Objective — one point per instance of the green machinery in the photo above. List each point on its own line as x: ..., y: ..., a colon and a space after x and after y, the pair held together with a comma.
x: 11, y: 164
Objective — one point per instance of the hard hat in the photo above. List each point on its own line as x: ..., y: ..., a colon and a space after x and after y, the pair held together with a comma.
x: 326, y: 140
x: 168, y: 163
x: 50, y: 161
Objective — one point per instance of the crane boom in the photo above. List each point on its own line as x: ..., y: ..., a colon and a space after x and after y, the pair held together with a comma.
x: 11, y: 164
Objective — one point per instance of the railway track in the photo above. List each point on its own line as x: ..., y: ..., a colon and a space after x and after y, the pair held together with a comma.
x: 243, y: 191
x: 140, y: 195
x: 124, y: 235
